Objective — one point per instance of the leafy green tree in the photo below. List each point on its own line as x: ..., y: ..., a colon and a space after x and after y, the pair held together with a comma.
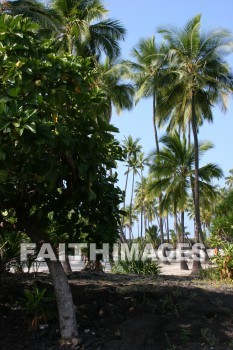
x: 55, y: 151
x: 222, y: 223
x: 197, y: 77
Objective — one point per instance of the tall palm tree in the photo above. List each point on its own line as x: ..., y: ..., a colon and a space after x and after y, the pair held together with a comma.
x: 196, y: 78
x: 131, y: 149
x: 128, y: 220
x: 145, y: 72
x: 135, y: 165
x: 171, y: 170
x: 140, y: 201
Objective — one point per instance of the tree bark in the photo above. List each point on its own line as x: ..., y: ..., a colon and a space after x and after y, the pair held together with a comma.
x: 130, y: 209
x: 66, y: 311
x: 167, y: 229
x: 157, y: 149
x: 65, y: 305
x: 183, y: 263
x: 198, y: 228
x: 66, y: 265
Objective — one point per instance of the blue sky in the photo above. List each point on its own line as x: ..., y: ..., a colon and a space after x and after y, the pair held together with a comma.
x: 141, y: 19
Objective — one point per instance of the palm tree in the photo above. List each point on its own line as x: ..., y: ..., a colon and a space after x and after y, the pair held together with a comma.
x: 84, y: 29
x: 109, y: 79
x: 142, y: 162
x: 171, y: 170
x: 131, y: 149
x: 140, y: 200
x: 152, y: 236
x: 229, y: 179
x: 196, y: 78
x: 135, y: 165
x: 128, y: 219
x: 145, y: 72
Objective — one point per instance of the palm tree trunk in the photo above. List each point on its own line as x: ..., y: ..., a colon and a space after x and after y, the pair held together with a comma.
x: 183, y: 264
x: 196, y: 235
x: 142, y: 204
x: 131, y: 206
x: 198, y: 230
x: 189, y: 133
x: 122, y: 234
x: 167, y: 229
x: 154, y: 124
x: 141, y: 221
x: 176, y: 226
x: 157, y: 149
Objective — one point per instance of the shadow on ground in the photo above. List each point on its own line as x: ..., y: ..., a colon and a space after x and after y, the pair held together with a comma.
x: 121, y: 312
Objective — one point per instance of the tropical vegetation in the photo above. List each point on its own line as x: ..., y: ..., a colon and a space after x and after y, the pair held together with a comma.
x: 61, y: 78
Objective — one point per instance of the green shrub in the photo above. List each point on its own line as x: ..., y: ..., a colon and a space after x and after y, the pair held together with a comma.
x: 211, y: 274
x: 141, y: 267
x: 36, y: 305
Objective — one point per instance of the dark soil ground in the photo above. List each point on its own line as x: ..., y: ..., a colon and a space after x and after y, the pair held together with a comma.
x: 119, y: 312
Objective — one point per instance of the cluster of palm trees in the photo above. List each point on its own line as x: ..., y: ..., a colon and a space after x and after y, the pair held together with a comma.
x: 171, y: 174
x: 185, y: 76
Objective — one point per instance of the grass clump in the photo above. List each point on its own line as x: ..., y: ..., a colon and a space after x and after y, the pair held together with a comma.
x: 140, y: 267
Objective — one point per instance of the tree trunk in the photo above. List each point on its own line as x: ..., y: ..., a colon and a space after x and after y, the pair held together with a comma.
x: 196, y: 235
x: 154, y: 124
x: 122, y: 235
x: 65, y: 305
x: 142, y: 204
x: 167, y: 229
x: 131, y: 207
x: 176, y: 226
x: 183, y: 264
x: 161, y: 227
x: 198, y: 232
x: 198, y: 229
x: 126, y: 183
x: 157, y: 149
x: 66, y: 311
x: 141, y: 221
x: 66, y: 265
